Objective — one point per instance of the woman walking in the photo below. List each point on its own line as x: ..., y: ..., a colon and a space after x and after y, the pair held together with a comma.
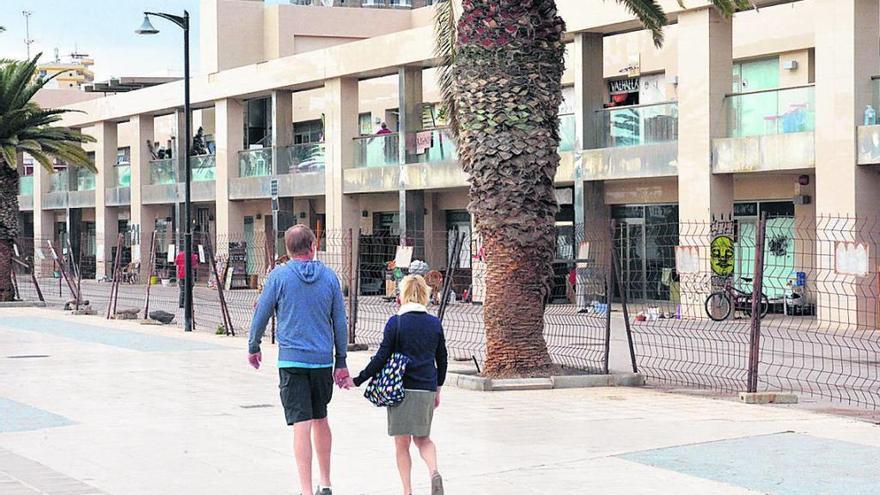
x: 418, y: 335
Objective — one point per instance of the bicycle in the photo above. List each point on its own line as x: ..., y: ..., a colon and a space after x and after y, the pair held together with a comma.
x: 721, y: 304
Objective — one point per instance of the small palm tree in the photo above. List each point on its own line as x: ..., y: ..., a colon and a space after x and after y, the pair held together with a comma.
x: 501, y: 65
x: 27, y: 128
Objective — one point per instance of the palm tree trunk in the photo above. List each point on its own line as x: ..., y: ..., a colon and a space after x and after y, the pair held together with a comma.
x: 508, y: 72
x: 8, y: 228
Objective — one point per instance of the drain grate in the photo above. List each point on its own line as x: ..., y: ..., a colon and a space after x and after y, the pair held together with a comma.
x: 28, y: 356
x: 256, y: 406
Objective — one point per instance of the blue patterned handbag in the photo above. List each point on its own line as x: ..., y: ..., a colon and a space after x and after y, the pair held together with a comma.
x: 386, y: 388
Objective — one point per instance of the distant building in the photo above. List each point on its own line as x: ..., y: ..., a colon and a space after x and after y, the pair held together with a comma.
x: 72, y: 73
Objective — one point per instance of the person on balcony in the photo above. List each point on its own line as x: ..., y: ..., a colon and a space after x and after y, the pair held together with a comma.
x: 383, y: 129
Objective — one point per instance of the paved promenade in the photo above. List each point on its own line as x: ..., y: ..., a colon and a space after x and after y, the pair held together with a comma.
x: 95, y: 407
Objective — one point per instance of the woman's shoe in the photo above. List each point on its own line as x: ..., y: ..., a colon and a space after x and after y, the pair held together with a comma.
x: 436, y: 484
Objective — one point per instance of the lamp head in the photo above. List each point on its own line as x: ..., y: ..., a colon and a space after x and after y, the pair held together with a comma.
x: 146, y: 27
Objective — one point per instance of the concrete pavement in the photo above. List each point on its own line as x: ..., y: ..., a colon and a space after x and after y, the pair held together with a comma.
x: 90, y: 406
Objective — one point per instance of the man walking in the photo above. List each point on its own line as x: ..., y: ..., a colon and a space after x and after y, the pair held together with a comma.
x: 306, y: 297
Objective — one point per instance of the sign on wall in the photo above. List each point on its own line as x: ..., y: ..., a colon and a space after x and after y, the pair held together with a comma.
x: 851, y: 258
x: 622, y: 86
x: 722, y: 256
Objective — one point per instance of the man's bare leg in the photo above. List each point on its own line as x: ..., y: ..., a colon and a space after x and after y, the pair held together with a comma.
x: 302, y: 450
x: 323, y: 446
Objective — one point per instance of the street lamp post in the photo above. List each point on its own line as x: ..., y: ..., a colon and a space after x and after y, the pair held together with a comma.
x: 147, y: 28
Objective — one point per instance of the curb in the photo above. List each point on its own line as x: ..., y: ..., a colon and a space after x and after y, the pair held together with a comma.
x: 480, y: 384
x: 22, y: 304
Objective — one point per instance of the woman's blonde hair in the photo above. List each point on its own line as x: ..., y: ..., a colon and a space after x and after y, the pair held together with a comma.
x: 414, y: 289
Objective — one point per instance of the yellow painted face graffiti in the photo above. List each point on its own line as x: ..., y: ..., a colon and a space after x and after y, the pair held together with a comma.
x: 722, y: 256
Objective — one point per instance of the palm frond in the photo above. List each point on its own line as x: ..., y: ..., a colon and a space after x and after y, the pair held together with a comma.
x: 25, y: 127
x: 650, y: 14
x: 445, y: 32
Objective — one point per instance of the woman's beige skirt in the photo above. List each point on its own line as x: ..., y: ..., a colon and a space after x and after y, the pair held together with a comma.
x: 413, y: 416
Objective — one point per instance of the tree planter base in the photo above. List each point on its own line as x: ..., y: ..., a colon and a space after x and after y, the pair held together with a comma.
x: 481, y: 384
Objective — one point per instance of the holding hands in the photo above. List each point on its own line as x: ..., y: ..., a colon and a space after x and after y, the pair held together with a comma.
x: 343, y: 379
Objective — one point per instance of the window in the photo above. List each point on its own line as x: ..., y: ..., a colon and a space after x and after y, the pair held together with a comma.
x: 365, y: 123
x: 311, y: 131
x: 123, y: 156
x: 257, y: 123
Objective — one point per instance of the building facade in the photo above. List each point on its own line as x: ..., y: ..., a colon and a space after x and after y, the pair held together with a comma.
x: 761, y: 113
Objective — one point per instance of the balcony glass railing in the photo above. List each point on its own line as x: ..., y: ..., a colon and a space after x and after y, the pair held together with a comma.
x: 204, y: 167
x: 774, y: 111
x: 85, y: 180
x: 637, y: 125
x: 301, y: 158
x: 163, y: 171
x: 123, y: 175
x: 566, y: 132
x: 380, y: 150
x: 26, y: 185
x: 431, y: 146
x: 255, y: 162
x: 59, y: 181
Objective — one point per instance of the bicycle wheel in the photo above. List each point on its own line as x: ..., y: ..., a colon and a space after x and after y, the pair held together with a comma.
x: 718, y: 306
x: 765, y: 306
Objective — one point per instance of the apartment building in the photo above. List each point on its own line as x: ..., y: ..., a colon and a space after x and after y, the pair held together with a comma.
x: 762, y: 113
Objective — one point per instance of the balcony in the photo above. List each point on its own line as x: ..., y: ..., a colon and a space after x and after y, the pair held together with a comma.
x: 301, y: 158
x: 26, y: 185
x: 377, y: 151
x: 255, y: 162
x: 204, y: 167
x: 59, y: 181
x: 300, y: 172
x: 163, y: 172
x: 634, y: 142
x: 869, y: 134
x: 768, y: 130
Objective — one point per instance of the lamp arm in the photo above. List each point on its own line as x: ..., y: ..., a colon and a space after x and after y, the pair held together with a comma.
x: 176, y: 19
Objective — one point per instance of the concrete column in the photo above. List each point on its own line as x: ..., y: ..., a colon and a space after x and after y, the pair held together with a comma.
x: 229, y: 135
x: 589, y: 88
x: 106, y: 218
x: 846, y: 58
x: 179, y: 150
x: 282, y: 130
x: 412, y: 209
x: 341, y: 120
x: 704, y: 69
x: 143, y: 221
x: 44, y: 222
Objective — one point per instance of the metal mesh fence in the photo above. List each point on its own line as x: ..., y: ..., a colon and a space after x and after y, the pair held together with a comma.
x: 811, y: 324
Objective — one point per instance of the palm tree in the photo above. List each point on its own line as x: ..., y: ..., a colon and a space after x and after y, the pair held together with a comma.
x: 500, y: 73
x: 27, y: 128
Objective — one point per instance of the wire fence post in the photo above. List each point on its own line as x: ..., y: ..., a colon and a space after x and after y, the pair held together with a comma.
x: 151, y: 266
x: 355, y: 293
x: 757, y: 301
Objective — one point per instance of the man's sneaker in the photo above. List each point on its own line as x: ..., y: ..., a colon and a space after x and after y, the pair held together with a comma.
x: 325, y: 491
x: 436, y: 484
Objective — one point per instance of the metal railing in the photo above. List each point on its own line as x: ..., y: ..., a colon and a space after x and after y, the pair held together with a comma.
x: 771, y: 111
x: 380, y: 150
x: 163, y: 171
x: 301, y: 158
x: 637, y: 125
x: 26, y: 185
x: 255, y: 163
